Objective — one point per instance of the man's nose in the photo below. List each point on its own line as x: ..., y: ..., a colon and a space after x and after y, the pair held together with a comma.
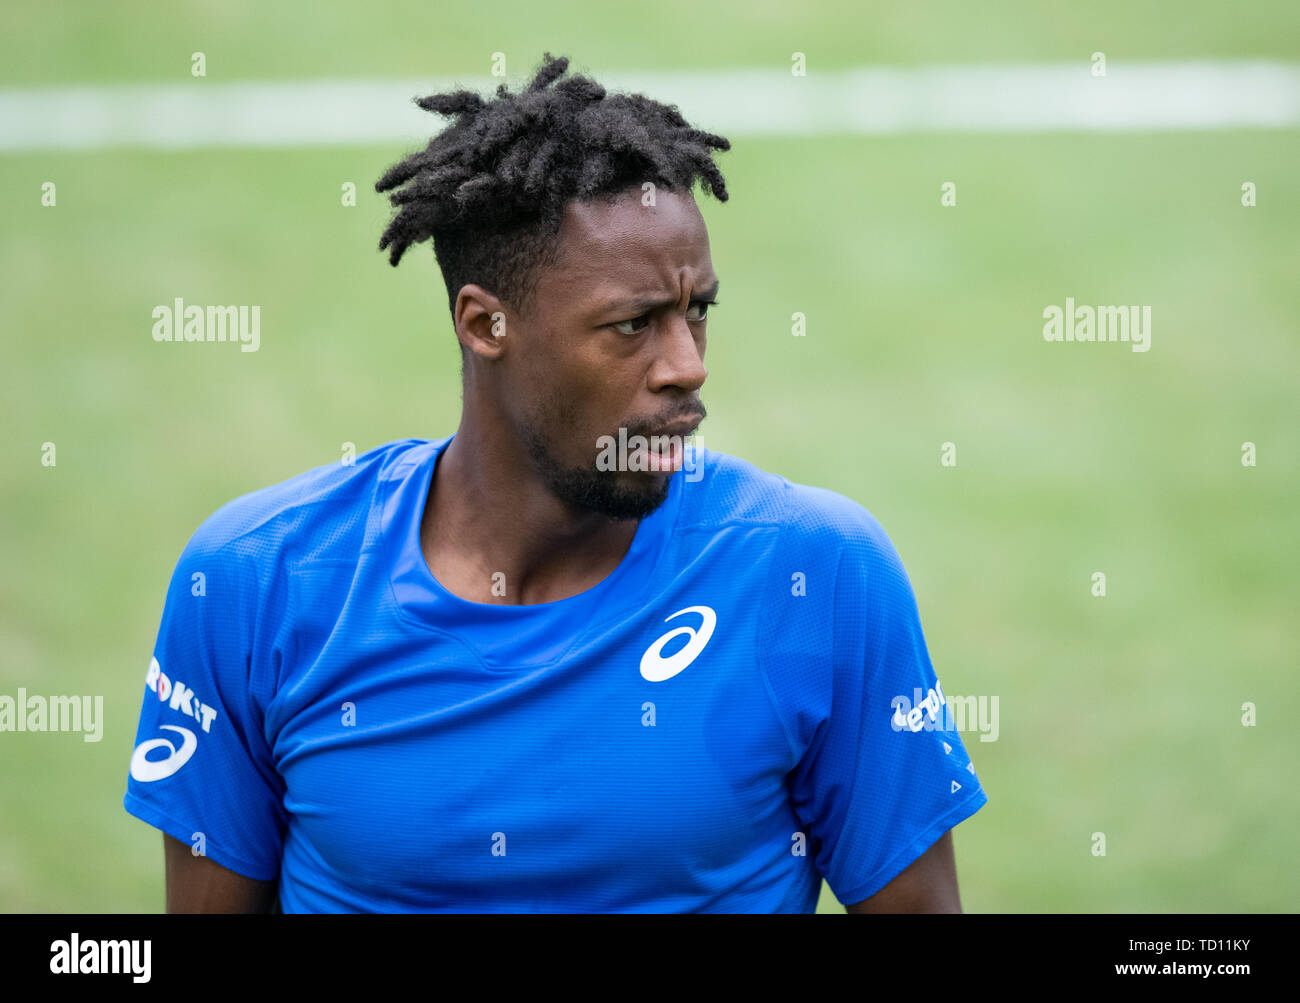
x: 681, y: 358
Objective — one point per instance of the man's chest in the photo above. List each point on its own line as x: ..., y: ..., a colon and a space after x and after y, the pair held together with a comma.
x: 650, y: 746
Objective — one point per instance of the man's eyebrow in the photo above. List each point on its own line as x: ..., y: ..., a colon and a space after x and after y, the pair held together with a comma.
x: 636, y: 307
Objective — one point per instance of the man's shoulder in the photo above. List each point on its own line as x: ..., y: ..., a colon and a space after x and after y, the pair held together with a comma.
x: 307, y: 516
x: 731, y: 489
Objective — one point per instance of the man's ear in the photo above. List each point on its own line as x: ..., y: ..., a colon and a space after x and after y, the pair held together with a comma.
x: 481, y: 322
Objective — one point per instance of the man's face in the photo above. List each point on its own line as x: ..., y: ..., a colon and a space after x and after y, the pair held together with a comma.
x: 615, y: 340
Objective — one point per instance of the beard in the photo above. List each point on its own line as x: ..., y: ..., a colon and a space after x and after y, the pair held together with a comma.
x: 612, y: 493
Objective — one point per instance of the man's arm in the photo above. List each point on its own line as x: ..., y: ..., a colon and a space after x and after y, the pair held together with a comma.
x: 928, y: 885
x: 197, y: 884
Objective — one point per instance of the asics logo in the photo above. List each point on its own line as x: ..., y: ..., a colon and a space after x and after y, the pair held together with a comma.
x: 145, y: 770
x: 656, y: 668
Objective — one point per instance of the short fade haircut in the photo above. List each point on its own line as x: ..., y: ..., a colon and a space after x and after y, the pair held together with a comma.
x: 491, y: 189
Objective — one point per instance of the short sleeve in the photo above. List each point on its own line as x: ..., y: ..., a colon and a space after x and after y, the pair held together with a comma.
x: 887, y: 773
x: 202, y: 770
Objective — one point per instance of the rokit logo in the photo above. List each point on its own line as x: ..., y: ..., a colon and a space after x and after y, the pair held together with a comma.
x: 178, y: 697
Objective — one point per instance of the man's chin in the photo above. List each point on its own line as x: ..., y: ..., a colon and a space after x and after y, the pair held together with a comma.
x: 618, y: 495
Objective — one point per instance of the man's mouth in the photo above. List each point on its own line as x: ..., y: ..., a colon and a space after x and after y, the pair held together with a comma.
x: 664, y: 448
x: 658, y: 457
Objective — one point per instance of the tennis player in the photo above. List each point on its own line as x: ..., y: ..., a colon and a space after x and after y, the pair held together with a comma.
x: 565, y: 659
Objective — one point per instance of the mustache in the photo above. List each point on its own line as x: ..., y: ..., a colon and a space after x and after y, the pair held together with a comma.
x: 692, y: 410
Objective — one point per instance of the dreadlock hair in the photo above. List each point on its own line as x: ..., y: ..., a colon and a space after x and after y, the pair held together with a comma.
x: 491, y: 188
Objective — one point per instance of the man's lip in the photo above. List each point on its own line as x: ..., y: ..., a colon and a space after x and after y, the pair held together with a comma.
x: 681, y: 428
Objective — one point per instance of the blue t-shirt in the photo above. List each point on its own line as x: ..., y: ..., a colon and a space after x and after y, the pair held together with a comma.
x: 714, y: 727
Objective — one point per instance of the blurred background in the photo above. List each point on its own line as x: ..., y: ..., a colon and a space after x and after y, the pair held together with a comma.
x: 1120, y: 714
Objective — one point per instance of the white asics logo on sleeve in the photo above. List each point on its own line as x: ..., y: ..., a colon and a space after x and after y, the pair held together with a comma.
x: 656, y: 668
x: 145, y: 770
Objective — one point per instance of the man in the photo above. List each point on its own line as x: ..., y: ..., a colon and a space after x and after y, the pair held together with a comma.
x: 559, y: 662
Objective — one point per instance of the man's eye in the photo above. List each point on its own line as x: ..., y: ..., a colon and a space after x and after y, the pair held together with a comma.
x: 697, y: 312
x: 703, y: 307
x: 621, y: 324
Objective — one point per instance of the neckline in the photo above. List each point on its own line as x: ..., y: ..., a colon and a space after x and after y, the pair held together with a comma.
x: 538, y: 632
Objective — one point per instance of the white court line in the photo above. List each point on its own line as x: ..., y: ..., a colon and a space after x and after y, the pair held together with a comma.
x: 1030, y: 98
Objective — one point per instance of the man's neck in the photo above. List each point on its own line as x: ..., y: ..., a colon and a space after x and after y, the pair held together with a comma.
x: 493, y: 533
